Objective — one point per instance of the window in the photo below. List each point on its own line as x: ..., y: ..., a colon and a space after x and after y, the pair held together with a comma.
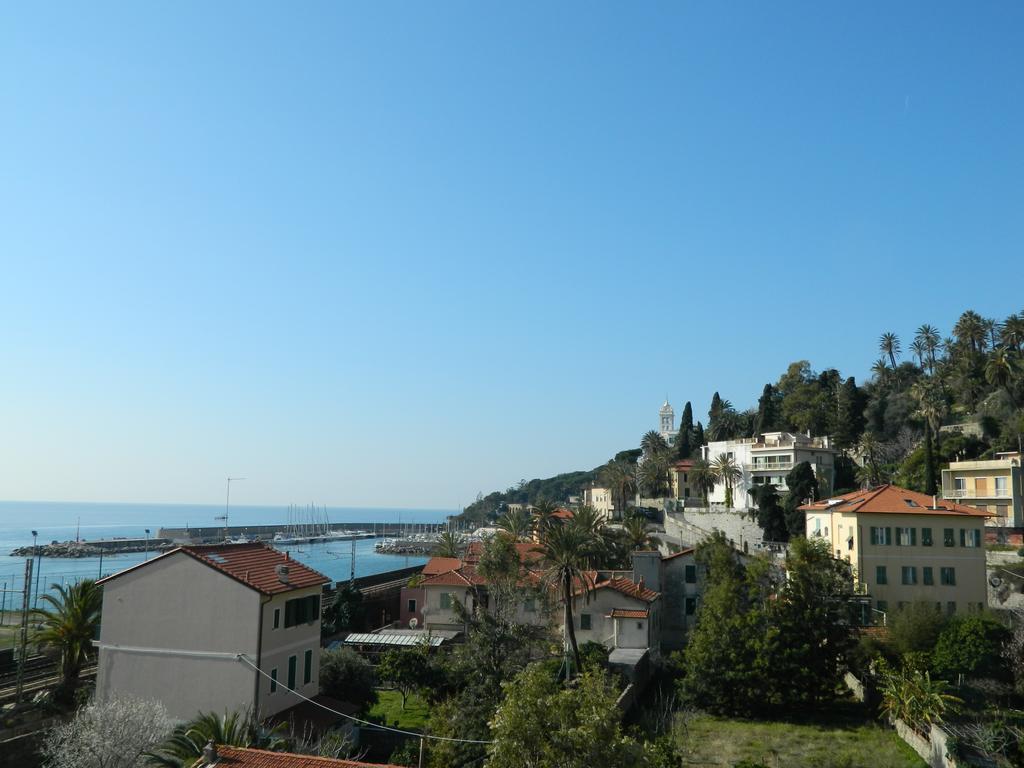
x: 639, y: 625
x: 909, y: 575
x: 301, y: 610
x: 906, y: 537
x: 883, y: 606
x: 307, y: 668
x: 911, y: 503
x: 947, y: 537
x: 691, y: 606
x: 960, y: 483
x: 446, y: 600
x: 881, y: 536
x: 1000, y: 486
x: 849, y: 542
x: 411, y: 606
x: 1002, y: 510
x: 277, y: 618
x: 970, y: 537
x: 926, y: 576
x: 926, y: 537
x: 691, y: 574
x: 947, y: 577
x: 880, y: 576
x: 273, y: 680
x: 291, y: 671
x: 951, y: 607
x: 584, y: 621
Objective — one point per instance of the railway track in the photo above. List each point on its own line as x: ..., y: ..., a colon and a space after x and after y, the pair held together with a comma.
x: 41, y: 672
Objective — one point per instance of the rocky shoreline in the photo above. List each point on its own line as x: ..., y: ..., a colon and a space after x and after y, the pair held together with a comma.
x: 74, y: 549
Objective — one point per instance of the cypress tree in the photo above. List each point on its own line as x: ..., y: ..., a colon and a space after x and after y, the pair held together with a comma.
x: 930, y: 485
x: 767, y: 412
x: 716, y: 408
x: 698, y: 437
x: 684, y: 444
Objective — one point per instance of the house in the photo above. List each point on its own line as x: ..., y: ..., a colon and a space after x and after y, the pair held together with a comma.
x: 191, y: 627
x: 906, y: 547
x: 682, y: 483
x: 680, y: 582
x: 617, y: 612
x: 992, y: 485
x: 601, y: 500
x: 767, y: 459
x: 448, y: 581
x: 223, y: 756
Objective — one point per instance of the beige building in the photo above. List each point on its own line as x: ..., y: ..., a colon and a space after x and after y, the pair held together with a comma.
x: 905, y: 548
x: 618, y: 613
x: 601, y: 500
x: 993, y: 485
x: 186, y: 628
x: 683, y: 486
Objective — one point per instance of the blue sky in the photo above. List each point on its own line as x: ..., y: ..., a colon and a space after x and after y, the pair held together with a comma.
x: 394, y: 254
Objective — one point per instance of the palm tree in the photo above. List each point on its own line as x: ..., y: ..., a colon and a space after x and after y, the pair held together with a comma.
x: 233, y: 729
x: 620, y: 476
x: 970, y: 330
x: 652, y: 443
x: 653, y: 475
x: 929, y: 337
x: 69, y: 624
x: 544, y: 516
x: 566, y: 551
x: 919, y: 349
x: 992, y: 332
x: 728, y: 472
x: 868, y: 448
x: 889, y: 344
x: 635, y: 529
x: 516, y: 523
x: 449, y: 544
x: 913, y: 697
x: 703, y: 477
x: 1000, y: 370
x: 881, y: 370
x: 1013, y: 332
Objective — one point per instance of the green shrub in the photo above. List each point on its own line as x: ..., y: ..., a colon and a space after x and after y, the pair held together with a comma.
x: 971, y: 645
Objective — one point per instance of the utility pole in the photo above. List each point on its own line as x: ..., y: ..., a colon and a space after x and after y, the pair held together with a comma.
x: 26, y: 592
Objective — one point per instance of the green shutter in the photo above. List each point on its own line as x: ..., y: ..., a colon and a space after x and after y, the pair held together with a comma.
x: 307, y: 667
x: 291, y: 671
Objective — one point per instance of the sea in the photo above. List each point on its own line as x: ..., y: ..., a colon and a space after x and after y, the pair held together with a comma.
x: 62, y: 521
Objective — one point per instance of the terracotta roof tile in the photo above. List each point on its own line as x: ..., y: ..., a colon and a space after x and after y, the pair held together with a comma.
x: 239, y: 757
x: 436, y: 565
x: 623, y: 586
x: 254, y: 565
x: 891, y: 499
x: 629, y: 613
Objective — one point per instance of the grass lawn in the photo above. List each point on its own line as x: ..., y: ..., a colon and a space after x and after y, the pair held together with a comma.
x: 388, y: 710
x: 842, y: 739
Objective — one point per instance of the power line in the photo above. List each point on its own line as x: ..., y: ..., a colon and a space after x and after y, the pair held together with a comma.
x: 245, y: 659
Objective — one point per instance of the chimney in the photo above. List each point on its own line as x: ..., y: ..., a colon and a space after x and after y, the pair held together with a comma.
x: 282, y: 573
x: 641, y: 583
x: 210, y: 753
x: 935, y: 502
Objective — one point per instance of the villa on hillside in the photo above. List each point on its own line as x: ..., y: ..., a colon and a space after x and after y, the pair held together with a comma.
x: 767, y: 459
x: 906, y: 547
x: 990, y: 485
x: 213, y: 628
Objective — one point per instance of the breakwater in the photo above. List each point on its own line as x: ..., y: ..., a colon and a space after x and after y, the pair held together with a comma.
x: 207, y: 534
x: 76, y: 549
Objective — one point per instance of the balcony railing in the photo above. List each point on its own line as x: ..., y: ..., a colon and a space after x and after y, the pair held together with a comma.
x: 770, y: 466
x: 966, y: 493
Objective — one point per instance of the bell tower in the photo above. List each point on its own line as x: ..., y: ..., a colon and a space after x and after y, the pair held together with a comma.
x: 667, y: 417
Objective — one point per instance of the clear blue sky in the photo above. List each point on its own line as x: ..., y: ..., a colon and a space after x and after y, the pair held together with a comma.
x: 396, y: 253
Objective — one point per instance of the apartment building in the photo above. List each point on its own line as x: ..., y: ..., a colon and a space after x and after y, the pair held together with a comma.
x: 601, y: 500
x: 767, y: 459
x: 906, y: 547
x: 990, y: 485
x: 188, y: 627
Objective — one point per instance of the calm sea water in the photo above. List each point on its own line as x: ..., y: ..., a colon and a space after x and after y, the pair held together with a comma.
x: 57, y: 521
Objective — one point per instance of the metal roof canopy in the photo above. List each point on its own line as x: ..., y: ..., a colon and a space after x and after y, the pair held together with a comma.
x: 387, y: 638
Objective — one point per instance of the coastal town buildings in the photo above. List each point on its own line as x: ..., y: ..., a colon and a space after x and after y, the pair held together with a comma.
x: 682, y: 486
x: 906, y: 547
x: 619, y: 613
x: 767, y: 459
x: 991, y: 485
x: 195, y: 627
x: 680, y: 582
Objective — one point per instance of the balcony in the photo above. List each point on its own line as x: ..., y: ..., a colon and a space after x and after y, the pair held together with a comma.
x: 966, y: 493
x: 770, y: 466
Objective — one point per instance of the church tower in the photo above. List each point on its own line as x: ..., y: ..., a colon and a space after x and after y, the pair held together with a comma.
x: 668, y: 422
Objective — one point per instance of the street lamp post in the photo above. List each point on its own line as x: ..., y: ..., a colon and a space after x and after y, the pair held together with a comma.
x: 147, y: 543
x: 35, y: 549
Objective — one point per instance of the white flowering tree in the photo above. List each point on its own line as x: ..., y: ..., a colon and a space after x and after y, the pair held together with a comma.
x: 112, y: 734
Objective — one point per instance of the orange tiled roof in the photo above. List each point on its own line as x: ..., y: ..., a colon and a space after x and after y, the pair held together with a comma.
x: 563, y: 514
x: 621, y: 585
x: 527, y: 551
x: 891, y: 499
x: 629, y: 613
x: 240, y: 757
x: 436, y: 565
x: 254, y: 565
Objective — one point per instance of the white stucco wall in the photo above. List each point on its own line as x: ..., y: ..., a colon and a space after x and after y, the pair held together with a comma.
x: 281, y: 643
x: 170, y: 632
